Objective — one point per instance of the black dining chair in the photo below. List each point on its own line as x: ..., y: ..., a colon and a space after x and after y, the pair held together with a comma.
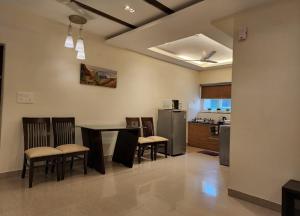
x: 64, y: 140
x: 148, y: 132
x: 143, y: 143
x: 37, y: 146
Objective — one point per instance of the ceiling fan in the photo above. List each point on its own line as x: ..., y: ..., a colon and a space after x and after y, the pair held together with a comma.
x: 206, y: 58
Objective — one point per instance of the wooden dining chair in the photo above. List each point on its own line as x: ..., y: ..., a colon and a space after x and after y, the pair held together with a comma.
x: 143, y: 143
x: 148, y: 132
x: 37, y: 146
x: 64, y: 140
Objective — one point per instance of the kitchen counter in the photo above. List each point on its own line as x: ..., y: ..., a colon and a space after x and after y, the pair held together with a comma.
x: 203, y: 123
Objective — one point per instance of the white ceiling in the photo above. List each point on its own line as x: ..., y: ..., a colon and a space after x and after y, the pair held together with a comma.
x: 177, y: 4
x: 59, y: 11
x: 196, y: 19
x: 201, y: 18
x: 143, y: 11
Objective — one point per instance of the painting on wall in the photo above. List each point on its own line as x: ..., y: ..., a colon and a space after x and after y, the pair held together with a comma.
x: 92, y: 75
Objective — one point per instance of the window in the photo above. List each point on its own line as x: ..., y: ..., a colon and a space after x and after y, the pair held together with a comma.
x: 214, y: 105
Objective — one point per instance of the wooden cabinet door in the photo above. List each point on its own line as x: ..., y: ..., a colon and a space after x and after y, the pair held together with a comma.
x: 199, y: 136
x: 216, y: 91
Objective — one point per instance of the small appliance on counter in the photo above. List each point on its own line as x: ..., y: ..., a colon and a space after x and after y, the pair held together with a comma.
x: 171, y: 104
x: 204, y: 120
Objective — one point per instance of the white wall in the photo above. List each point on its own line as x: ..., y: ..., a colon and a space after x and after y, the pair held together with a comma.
x: 215, y: 76
x: 265, y: 144
x: 211, y: 77
x: 36, y: 61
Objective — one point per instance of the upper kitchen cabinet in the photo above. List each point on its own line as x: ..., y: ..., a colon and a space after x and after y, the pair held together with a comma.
x: 216, y: 91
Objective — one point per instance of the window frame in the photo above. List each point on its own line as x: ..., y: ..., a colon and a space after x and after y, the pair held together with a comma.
x: 203, y: 109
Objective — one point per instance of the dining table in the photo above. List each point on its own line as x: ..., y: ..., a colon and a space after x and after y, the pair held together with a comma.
x: 124, y: 150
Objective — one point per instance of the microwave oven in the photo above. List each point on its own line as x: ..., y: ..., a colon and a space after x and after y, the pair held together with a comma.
x: 171, y: 104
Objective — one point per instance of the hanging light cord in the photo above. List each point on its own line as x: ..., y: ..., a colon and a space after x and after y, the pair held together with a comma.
x: 70, y: 29
x: 80, y: 32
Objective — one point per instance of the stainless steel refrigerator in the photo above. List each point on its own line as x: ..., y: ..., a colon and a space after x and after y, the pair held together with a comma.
x: 171, y: 124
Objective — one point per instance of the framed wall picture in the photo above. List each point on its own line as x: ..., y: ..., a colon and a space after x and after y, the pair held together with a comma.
x: 92, y: 75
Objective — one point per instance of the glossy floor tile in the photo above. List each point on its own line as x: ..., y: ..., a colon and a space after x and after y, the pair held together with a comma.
x: 192, y: 184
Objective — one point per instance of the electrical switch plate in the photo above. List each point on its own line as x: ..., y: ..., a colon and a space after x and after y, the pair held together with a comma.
x: 25, y: 98
x: 243, y: 33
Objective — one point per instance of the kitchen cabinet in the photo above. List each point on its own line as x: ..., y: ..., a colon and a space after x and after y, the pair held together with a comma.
x: 200, y: 136
x: 216, y: 91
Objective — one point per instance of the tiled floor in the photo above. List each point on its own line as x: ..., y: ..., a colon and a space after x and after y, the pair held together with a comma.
x: 193, y: 184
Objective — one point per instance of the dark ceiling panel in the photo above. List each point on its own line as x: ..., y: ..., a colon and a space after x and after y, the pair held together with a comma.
x: 101, y: 13
x: 160, y: 6
x: 179, y: 5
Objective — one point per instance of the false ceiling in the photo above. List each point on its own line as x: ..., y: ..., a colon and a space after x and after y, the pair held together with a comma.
x: 152, y: 26
x: 195, y: 50
x: 205, y: 18
x: 59, y: 10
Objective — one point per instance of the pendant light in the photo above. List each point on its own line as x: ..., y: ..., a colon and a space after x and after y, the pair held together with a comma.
x: 79, y: 44
x: 81, y: 55
x: 69, y: 39
x: 69, y: 43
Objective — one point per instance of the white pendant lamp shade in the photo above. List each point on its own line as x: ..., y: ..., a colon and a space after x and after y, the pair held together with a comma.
x: 81, y: 55
x: 69, y: 39
x: 79, y: 45
x: 69, y: 42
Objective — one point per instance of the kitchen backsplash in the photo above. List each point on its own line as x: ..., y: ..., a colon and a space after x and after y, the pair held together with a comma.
x: 214, y: 116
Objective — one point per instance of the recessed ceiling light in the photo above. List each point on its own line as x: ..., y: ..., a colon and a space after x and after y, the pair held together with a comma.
x: 129, y: 9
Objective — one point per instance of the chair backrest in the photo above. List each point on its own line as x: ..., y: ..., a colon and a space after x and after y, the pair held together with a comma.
x: 63, y: 130
x: 133, y: 122
x: 148, y: 126
x: 36, y: 132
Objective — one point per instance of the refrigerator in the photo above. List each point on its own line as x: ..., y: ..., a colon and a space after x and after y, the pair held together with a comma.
x: 171, y: 124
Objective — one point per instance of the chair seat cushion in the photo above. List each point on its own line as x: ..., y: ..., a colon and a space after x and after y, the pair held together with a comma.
x: 41, y: 152
x: 151, y: 139
x: 72, y: 148
x: 144, y: 140
x: 157, y: 138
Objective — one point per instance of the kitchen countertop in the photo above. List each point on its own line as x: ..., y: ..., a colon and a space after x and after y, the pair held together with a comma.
x: 203, y: 123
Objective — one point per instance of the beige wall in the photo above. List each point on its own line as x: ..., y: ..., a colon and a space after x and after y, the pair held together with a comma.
x: 36, y: 61
x: 265, y: 146
x: 214, y: 76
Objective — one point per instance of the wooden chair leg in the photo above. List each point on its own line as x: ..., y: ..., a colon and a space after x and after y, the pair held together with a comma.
x: 46, y: 167
x: 72, y: 163
x: 142, y: 151
x: 85, y: 163
x: 52, y: 166
x: 155, y: 151
x: 24, y: 167
x: 139, y: 154
x: 166, y: 149
x: 58, y: 170
x: 63, y: 167
x: 31, y: 167
x: 152, y: 152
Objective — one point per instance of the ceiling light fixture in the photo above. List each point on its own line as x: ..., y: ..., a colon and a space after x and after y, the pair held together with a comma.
x: 129, y: 9
x: 80, y: 55
x: 69, y: 39
x: 79, y: 44
x: 79, y: 20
